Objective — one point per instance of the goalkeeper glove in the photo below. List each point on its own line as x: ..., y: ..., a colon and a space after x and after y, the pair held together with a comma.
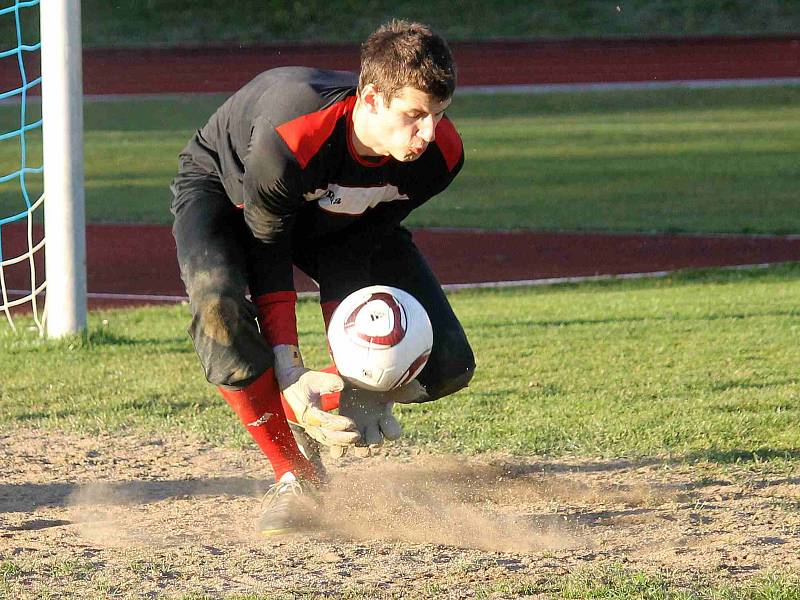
x: 302, y: 389
x: 372, y: 414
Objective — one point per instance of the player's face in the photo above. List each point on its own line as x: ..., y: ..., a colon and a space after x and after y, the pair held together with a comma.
x: 406, y: 125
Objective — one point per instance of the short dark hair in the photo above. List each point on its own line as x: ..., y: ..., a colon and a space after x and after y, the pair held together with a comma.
x: 404, y: 53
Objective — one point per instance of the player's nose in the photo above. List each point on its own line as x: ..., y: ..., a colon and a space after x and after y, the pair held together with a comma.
x: 427, y: 129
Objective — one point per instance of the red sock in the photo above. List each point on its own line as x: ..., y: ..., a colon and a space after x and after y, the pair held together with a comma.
x: 259, y: 408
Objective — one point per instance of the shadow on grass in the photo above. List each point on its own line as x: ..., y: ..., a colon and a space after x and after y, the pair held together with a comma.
x: 741, y: 455
x: 713, y: 455
x: 102, y: 337
x: 26, y: 497
x: 530, y: 323
x: 153, y: 406
x: 724, y: 386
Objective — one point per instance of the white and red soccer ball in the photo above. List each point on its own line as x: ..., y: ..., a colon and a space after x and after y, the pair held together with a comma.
x: 380, y: 338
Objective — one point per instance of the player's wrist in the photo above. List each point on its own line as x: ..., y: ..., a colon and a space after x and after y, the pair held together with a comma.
x: 288, y: 364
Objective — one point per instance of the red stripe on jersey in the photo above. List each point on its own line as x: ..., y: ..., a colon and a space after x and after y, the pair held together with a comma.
x: 449, y: 143
x: 306, y: 134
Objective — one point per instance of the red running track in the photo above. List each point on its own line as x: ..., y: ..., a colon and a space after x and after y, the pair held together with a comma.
x: 226, y: 68
x: 127, y: 259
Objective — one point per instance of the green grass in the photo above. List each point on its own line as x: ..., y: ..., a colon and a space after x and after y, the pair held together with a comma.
x: 612, y: 582
x: 615, y: 582
x: 600, y: 583
x: 673, y: 160
x: 141, y: 23
x: 700, y: 366
x: 696, y: 161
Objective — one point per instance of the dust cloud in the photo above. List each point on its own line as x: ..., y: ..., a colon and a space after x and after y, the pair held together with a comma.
x: 165, y: 513
x: 99, y: 511
x: 441, y: 500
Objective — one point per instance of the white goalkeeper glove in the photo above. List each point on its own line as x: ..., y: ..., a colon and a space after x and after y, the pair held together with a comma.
x: 372, y: 414
x: 302, y: 389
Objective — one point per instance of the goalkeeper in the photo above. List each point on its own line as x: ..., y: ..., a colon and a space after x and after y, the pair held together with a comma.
x: 316, y: 169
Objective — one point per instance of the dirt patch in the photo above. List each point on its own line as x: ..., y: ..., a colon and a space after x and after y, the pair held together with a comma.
x: 138, y: 516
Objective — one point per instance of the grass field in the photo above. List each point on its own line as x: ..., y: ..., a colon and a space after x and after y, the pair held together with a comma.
x: 688, y: 382
x: 673, y: 160
x: 696, y: 367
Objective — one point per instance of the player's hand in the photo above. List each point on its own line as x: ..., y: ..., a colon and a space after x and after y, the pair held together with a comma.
x: 372, y: 414
x: 302, y: 389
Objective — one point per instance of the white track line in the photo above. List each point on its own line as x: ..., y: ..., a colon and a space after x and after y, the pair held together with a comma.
x: 450, y: 287
x: 588, y: 278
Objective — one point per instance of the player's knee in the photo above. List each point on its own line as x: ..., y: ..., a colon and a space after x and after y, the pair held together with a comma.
x: 458, y: 378
x: 216, y: 318
x: 227, y: 340
x: 457, y: 366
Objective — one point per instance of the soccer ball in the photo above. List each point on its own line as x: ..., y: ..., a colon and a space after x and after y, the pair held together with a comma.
x: 380, y: 338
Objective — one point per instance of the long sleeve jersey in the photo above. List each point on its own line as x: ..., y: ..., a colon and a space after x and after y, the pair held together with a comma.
x: 282, y: 148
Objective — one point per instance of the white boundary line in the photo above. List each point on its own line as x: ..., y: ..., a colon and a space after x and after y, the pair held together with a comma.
x: 589, y: 278
x: 454, y: 287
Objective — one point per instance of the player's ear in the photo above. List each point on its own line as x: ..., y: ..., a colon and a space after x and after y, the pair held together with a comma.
x: 371, y: 97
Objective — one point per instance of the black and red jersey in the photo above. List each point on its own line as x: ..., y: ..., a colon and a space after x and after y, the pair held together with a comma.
x: 281, y: 147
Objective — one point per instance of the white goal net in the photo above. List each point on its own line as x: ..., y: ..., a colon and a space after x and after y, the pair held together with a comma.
x: 41, y: 150
x: 21, y: 237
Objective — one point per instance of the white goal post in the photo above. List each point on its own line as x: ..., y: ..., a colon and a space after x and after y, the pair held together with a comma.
x: 62, y: 138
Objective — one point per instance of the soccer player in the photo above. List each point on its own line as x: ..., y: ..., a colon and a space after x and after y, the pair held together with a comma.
x: 316, y: 169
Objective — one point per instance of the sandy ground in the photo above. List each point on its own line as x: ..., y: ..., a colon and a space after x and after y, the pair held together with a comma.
x: 138, y: 516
